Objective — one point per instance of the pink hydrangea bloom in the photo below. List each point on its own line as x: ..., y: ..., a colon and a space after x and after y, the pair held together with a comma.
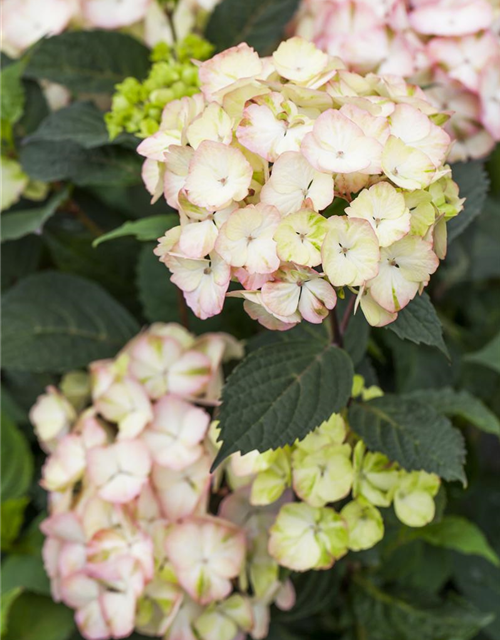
x: 131, y: 542
x: 255, y: 161
x: 447, y: 46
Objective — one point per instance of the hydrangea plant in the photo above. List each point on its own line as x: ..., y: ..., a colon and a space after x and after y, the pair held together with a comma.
x: 211, y: 477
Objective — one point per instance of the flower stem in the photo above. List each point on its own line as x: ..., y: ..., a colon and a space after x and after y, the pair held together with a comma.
x: 183, y: 310
x: 336, y: 335
x: 347, y: 315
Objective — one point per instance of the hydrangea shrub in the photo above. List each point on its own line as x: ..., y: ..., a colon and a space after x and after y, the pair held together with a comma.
x: 224, y: 480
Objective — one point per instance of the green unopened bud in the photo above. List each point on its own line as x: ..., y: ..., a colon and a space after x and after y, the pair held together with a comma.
x: 144, y: 612
x: 358, y: 384
x: 189, y: 75
x: 161, y: 51
x: 160, y: 97
x: 36, y: 190
x: 178, y: 88
x: 75, y: 385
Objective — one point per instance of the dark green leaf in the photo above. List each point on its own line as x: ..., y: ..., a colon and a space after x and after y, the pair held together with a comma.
x: 10, y: 408
x: 111, y: 267
x: 459, y: 534
x: 419, y: 323
x: 81, y: 122
x: 418, y: 366
x: 133, y: 201
x: 56, y: 322
x: 479, y: 581
x: 485, y: 244
x: 460, y: 404
x: 89, y: 61
x: 17, y: 461
x: 282, y: 392
x: 488, y: 356
x: 259, y: 23
x: 144, y: 229
x: 418, y: 565
x: 53, y: 161
x: 16, y: 224
x: 303, y: 331
x: 356, y: 338
x: 281, y: 632
x: 24, y: 388
x: 382, y: 615
x: 35, y: 109
x: 12, y: 96
x: 35, y: 617
x: 411, y: 433
x: 19, y: 259
x: 158, y: 296
x: 315, y: 590
x: 473, y: 182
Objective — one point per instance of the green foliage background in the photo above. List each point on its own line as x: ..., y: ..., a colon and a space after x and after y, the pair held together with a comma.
x: 79, y: 279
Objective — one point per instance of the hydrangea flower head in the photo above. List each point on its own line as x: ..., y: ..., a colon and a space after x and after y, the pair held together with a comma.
x: 450, y: 47
x: 258, y: 164
x: 142, y: 536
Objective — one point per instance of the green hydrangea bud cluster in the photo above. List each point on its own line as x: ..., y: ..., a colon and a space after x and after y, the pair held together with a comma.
x: 137, y: 106
x: 329, y: 465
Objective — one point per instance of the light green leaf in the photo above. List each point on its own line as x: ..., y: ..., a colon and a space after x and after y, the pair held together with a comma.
x: 12, y: 514
x: 17, y: 462
x: 24, y: 568
x: 461, y: 404
x: 17, y: 224
x: 81, y: 122
x: 145, y: 229
x: 473, y: 182
x: 56, y: 322
x: 419, y: 323
x: 459, y: 534
x: 259, y: 23
x: 25, y: 571
x: 488, y: 356
x: 7, y: 600
x: 35, y: 617
x: 282, y: 392
x: 411, y: 433
x: 89, y: 61
x: 384, y: 615
x: 12, y: 95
